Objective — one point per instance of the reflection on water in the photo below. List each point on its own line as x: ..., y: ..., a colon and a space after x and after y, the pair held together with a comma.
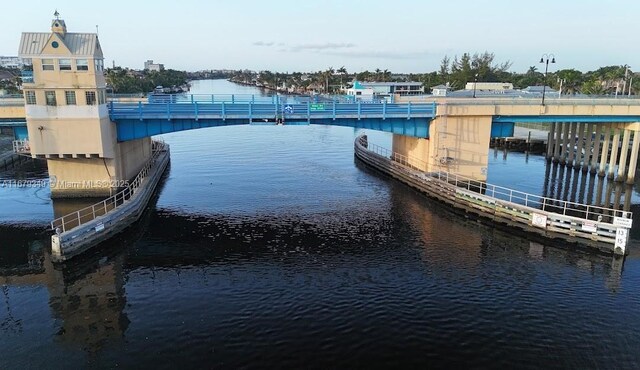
x: 236, y: 290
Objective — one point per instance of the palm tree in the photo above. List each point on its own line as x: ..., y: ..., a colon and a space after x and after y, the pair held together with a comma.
x: 328, y: 74
x: 386, y: 75
x: 342, y: 71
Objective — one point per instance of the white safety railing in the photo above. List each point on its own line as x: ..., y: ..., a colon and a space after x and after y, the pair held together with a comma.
x: 523, y: 100
x: 21, y: 147
x: 579, y: 210
x: 87, y: 214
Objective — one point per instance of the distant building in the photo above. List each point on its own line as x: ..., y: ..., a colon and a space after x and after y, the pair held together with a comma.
x: 390, y: 88
x: 11, y: 62
x: 360, y: 91
x: 539, y: 89
x: 440, y: 90
x: 493, y: 86
x: 151, y: 66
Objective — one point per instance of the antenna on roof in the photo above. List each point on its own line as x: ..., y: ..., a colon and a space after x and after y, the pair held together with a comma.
x: 96, y: 29
x: 56, y: 14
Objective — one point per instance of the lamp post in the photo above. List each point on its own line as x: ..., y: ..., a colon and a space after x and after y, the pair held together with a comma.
x: 545, y: 59
x: 475, y: 82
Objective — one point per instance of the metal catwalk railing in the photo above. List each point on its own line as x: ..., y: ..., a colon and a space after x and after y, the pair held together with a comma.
x: 520, y: 100
x: 87, y: 214
x: 558, y: 206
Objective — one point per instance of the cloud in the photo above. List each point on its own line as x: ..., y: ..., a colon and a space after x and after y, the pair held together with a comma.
x: 263, y: 43
x: 322, y: 47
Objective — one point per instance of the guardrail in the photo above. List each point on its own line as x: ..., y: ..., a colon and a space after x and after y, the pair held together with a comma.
x: 21, y: 147
x: 253, y: 98
x: 251, y: 110
x: 519, y: 100
x: 87, y: 214
x: 566, y: 208
x: 606, y: 229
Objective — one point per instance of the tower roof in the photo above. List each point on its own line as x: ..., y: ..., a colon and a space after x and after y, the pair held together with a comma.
x: 79, y: 44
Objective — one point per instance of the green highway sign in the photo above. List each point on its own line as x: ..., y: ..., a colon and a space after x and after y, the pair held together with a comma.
x: 317, y: 107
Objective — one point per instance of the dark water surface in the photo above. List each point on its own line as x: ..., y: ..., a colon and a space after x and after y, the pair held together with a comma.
x: 272, y: 247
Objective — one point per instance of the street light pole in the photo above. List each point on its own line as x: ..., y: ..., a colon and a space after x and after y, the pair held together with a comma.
x: 545, y: 59
x: 475, y: 82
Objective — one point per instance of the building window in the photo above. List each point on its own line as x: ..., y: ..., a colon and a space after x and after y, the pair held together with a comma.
x: 64, y: 64
x: 50, y: 97
x: 47, y: 65
x: 102, y: 99
x: 82, y: 64
x: 91, y: 97
x: 99, y: 64
x: 30, y: 97
x: 70, y: 96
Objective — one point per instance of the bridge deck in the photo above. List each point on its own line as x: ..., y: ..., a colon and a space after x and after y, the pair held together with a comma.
x: 136, y: 120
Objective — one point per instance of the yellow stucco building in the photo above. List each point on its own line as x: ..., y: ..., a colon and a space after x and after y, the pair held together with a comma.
x: 67, y: 115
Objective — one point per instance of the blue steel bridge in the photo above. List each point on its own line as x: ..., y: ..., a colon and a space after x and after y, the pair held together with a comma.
x: 170, y: 113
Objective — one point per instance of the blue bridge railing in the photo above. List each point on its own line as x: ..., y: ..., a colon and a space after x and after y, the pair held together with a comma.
x: 246, y: 98
x: 192, y: 107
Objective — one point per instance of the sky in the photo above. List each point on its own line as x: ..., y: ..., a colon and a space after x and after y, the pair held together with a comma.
x: 300, y: 35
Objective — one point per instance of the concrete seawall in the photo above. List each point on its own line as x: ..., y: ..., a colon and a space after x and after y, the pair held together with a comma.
x: 72, y: 242
x: 473, y: 201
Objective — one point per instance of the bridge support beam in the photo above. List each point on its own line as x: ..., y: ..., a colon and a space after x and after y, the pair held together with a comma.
x: 633, y: 161
x: 588, y: 148
x: 565, y: 143
x: 572, y: 144
x: 556, y: 147
x: 624, y: 151
x: 614, y: 153
x: 551, y: 141
x: 596, y: 149
x: 578, y: 159
x: 605, y: 149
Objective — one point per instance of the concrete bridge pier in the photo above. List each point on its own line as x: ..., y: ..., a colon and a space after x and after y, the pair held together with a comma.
x: 565, y: 143
x: 615, y: 146
x: 551, y: 141
x: 456, y: 144
x: 572, y: 144
x: 581, y: 138
x: 633, y: 161
x: 81, y: 177
x: 557, y: 143
x: 588, y: 148
x: 604, y: 153
x: 624, y: 151
x: 596, y: 149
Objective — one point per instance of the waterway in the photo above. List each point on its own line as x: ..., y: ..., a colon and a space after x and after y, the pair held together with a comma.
x: 269, y: 246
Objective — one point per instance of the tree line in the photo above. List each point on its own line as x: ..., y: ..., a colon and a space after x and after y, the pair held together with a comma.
x: 456, y: 72
x: 127, y: 81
